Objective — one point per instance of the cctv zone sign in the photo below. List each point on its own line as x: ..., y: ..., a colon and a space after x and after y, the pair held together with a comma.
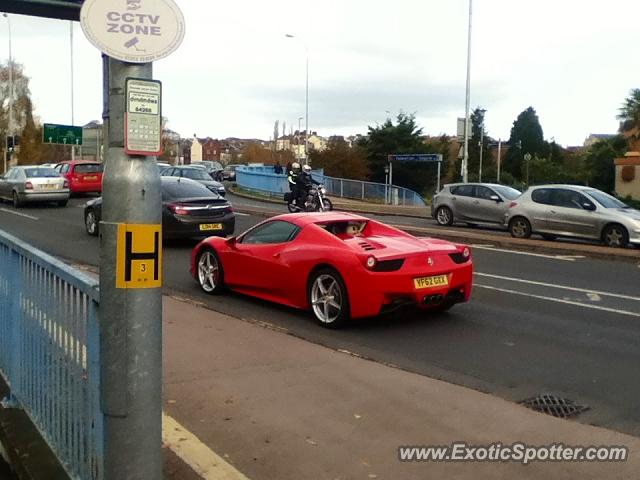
x: 139, y: 256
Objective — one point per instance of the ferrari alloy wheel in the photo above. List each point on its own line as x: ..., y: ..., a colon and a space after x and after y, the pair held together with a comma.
x: 328, y: 298
x: 91, y: 223
x: 444, y: 216
x: 209, y: 271
x: 520, y: 227
x: 615, y: 236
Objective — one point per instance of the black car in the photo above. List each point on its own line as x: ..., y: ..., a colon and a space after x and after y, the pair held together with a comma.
x: 189, y: 209
x: 199, y: 174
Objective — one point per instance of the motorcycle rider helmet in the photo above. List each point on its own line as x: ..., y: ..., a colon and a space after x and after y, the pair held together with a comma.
x: 295, y: 167
x: 306, y: 169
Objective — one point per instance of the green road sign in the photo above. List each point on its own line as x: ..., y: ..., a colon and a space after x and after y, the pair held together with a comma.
x: 62, y: 134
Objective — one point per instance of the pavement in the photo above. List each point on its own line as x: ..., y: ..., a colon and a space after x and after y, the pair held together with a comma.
x: 476, y: 236
x: 277, y: 407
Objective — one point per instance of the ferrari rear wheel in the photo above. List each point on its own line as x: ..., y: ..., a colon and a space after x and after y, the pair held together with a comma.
x: 210, y: 273
x: 328, y: 298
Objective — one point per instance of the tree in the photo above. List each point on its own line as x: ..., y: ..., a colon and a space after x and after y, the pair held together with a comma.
x: 526, y: 137
x: 478, y: 132
x: 341, y: 160
x: 402, y: 138
x: 599, y: 162
x: 629, y: 114
x: 256, y: 153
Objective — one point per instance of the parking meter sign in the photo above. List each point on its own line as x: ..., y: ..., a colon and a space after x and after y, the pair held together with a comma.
x: 143, y: 117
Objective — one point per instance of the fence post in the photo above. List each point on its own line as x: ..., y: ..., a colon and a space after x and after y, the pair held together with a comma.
x: 404, y: 192
x: 15, y: 318
x: 362, y: 190
x: 341, y: 188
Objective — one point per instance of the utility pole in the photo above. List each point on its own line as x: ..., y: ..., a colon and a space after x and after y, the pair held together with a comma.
x: 499, y: 158
x: 73, y: 147
x: 7, y: 156
x: 481, y: 145
x: 130, y: 318
x: 465, y: 158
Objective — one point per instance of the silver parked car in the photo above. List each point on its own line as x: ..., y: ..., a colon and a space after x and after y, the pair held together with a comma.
x: 573, y: 211
x: 198, y: 174
x: 472, y: 203
x: 34, y: 184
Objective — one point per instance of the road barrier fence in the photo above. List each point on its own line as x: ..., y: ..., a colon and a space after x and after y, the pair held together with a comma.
x: 49, y: 353
x: 262, y: 179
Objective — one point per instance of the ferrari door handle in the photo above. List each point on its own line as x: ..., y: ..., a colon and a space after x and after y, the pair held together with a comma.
x: 276, y: 255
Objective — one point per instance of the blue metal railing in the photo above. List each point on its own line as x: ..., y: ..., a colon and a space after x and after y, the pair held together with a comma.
x: 263, y: 180
x: 49, y: 352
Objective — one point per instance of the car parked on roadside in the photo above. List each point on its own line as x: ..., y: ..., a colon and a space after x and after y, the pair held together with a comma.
x: 213, y: 168
x: 229, y: 172
x: 198, y: 174
x: 189, y: 210
x: 472, y: 203
x: 83, y: 176
x: 24, y: 184
x: 338, y: 265
x: 573, y: 211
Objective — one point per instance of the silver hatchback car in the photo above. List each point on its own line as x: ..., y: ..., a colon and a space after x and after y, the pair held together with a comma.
x: 573, y: 211
x: 472, y: 203
x: 34, y: 184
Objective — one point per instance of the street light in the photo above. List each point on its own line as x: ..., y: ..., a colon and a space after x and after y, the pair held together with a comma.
x: 306, y: 102
x: 465, y: 158
x: 10, y: 122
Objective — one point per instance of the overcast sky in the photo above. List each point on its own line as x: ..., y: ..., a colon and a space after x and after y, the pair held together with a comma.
x: 236, y: 73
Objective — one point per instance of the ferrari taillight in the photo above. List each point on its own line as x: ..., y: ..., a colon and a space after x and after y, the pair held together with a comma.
x: 370, y: 262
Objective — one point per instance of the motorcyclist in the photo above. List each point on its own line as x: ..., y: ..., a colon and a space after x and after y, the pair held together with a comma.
x: 306, y: 181
x: 293, y: 178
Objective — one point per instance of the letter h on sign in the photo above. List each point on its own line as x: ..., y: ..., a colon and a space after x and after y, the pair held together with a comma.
x: 139, y: 256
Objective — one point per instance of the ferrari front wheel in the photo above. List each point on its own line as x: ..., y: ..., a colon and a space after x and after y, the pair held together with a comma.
x: 210, y: 274
x: 328, y: 298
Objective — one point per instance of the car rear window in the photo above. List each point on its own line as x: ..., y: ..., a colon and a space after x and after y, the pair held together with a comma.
x: 541, y: 195
x: 178, y: 190
x: 88, y: 168
x: 41, y: 172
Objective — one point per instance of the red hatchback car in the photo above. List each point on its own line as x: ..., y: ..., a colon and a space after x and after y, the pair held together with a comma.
x: 83, y: 176
x: 338, y: 265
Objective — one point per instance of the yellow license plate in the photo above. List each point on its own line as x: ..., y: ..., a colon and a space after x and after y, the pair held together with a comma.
x: 431, y: 282
x: 90, y: 179
x: 49, y: 186
x: 210, y: 226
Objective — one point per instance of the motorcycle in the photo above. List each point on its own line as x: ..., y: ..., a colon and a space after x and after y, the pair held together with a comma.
x: 316, y: 201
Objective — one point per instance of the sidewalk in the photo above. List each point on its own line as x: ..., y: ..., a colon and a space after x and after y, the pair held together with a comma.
x: 280, y: 408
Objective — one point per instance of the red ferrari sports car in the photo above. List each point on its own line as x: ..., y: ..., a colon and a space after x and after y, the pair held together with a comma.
x: 339, y: 265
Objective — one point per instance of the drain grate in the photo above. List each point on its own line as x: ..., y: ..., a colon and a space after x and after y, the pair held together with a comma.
x: 554, y: 405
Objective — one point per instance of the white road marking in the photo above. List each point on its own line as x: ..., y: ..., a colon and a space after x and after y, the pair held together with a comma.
x: 204, y: 461
x: 564, y: 287
x: 18, y: 213
x: 566, y: 258
x: 561, y: 300
x: 242, y: 214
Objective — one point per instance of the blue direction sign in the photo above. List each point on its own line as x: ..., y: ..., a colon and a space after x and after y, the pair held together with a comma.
x: 62, y: 134
x: 418, y: 157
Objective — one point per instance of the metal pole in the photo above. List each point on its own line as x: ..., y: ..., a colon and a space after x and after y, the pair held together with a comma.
x: 465, y: 159
x: 499, y: 158
x: 130, y: 318
x: 390, y: 181
x: 306, y: 107
x: 438, y: 184
x: 10, y: 122
x: 481, y: 145
x: 73, y: 147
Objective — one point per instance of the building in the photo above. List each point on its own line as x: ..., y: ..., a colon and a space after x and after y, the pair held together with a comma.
x: 597, y: 137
